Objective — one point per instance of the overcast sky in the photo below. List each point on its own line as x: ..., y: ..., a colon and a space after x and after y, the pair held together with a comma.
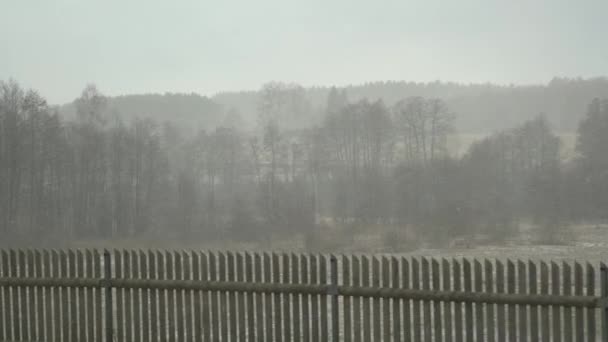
x: 136, y: 46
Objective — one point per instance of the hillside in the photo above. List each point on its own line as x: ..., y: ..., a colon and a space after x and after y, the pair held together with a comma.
x: 479, y: 108
x: 187, y: 111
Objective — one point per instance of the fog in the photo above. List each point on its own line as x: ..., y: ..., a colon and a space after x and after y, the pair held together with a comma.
x: 389, y: 126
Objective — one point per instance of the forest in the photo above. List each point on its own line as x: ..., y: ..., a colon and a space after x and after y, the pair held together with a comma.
x: 288, y: 162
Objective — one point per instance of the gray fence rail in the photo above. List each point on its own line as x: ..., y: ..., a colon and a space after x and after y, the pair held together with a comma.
x: 158, y: 295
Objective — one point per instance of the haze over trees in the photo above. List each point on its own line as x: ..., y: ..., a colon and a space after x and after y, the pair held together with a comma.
x: 290, y: 161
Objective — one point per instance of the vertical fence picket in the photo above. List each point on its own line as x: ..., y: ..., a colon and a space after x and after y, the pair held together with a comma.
x: 3, y: 303
x: 457, y: 286
x: 55, y: 296
x: 259, y: 299
x: 99, y: 296
x: 163, y: 314
x: 178, y: 303
x: 137, y: 321
x: 144, y: 295
x: 18, y: 307
x: 366, y: 311
x: 346, y: 301
x: 223, y: 296
x: 32, y: 319
x: 268, y: 308
x: 154, y: 297
x: 426, y: 304
x: 396, y: 317
x: 386, y: 302
x: 579, y: 317
x: 185, y: 300
x: 40, y: 303
x: 72, y: 297
x: 522, y: 312
x: 276, y: 298
x: 478, y: 288
x: 591, y: 312
x: 323, y: 279
x: 567, y: 291
x: 468, y: 316
x: 118, y: 297
x: 296, y: 298
x: 501, y: 324
x: 435, y: 286
x: 197, y: 299
x: 128, y: 297
x: 533, y: 289
x: 555, y: 309
x: 252, y: 303
x: 286, y: 298
x: 511, y: 308
x: 376, y: 320
x: 356, y: 302
x: 307, y: 299
x: 544, y: 310
x: 232, y: 312
x: 490, y: 309
x: 447, y: 305
x: 604, y: 294
x: 65, y: 300
x: 14, y: 298
x: 205, y: 297
x: 241, y: 310
x: 81, y: 297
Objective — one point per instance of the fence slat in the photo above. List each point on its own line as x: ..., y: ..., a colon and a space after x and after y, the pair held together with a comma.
x: 435, y: 285
x: 544, y: 310
x: 579, y: 312
x: 416, y: 313
x: 296, y: 299
x: 457, y: 286
x: 511, y: 309
x: 241, y: 309
x: 376, y: 281
x: 286, y: 299
x: 306, y: 317
x: 522, y: 324
x: 386, y: 302
x: 467, y: 282
x: 501, y: 322
x: 356, y: 302
x: 447, y: 306
x: 65, y: 300
x: 555, y: 309
x: 478, y: 287
x: 490, y: 309
x: 396, y: 317
x: 323, y: 279
x: 426, y: 321
x: 251, y: 301
x: 144, y: 296
x: 567, y: 290
x: 205, y: 297
x: 268, y: 309
x: 347, y: 316
x: 533, y: 289
x: 232, y: 309
x: 365, y: 273
x: 591, y: 312
x: 154, y: 297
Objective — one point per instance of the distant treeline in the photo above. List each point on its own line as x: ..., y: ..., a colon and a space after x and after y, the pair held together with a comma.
x: 481, y: 108
x: 365, y: 163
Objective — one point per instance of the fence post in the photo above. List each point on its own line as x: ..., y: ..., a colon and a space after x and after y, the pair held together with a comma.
x: 333, y: 291
x: 107, y: 265
x: 604, y: 285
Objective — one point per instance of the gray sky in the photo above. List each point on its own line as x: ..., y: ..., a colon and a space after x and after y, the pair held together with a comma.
x: 136, y: 46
